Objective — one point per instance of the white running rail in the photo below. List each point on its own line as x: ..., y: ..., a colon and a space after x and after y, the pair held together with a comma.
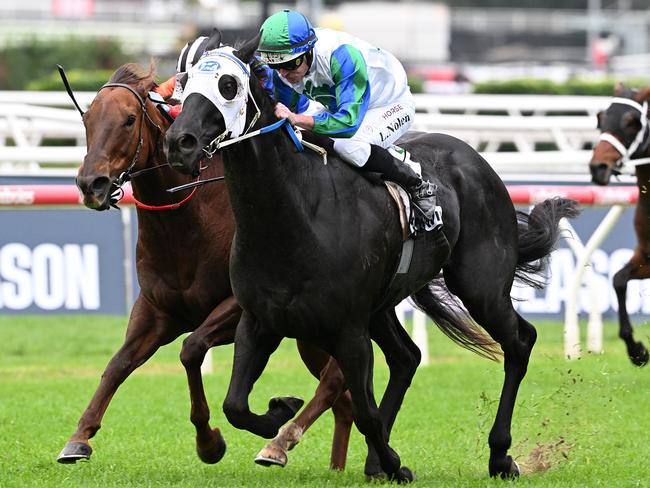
x: 29, y: 122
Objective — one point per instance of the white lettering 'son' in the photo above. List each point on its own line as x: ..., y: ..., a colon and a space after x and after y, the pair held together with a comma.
x: 15, y: 281
x: 49, y: 277
x: 47, y: 273
x: 82, y: 276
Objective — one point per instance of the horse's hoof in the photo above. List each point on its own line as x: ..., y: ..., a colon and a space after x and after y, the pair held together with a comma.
x: 511, y: 472
x: 515, y: 470
x: 271, y: 456
x: 74, y: 451
x: 639, y: 354
x: 373, y: 470
x: 403, y: 475
x: 283, y: 409
x: 292, y: 404
x: 213, y: 453
x: 378, y: 476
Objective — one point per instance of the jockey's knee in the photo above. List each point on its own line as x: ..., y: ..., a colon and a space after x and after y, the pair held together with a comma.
x: 352, y: 152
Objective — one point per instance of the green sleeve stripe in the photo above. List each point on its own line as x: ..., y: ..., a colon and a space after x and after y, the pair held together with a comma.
x: 352, y: 91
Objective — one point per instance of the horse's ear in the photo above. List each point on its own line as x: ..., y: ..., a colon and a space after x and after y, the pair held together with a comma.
x: 599, y: 117
x: 214, y: 41
x: 618, y: 89
x: 247, y: 52
x: 642, y: 95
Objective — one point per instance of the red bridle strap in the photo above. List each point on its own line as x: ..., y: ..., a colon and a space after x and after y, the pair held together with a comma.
x: 171, y: 206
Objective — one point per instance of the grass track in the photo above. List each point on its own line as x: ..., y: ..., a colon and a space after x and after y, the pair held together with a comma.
x: 585, y: 422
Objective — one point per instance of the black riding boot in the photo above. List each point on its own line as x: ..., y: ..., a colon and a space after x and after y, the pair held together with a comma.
x: 422, y: 191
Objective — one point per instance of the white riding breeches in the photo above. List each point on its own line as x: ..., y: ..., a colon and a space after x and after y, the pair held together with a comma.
x: 381, y: 126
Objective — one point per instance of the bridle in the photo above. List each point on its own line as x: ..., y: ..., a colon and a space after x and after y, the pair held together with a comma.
x: 128, y: 173
x: 639, y: 143
x: 117, y: 192
x: 220, y: 141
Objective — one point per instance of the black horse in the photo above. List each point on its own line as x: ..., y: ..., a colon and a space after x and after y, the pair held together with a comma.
x: 317, y: 245
x: 625, y: 136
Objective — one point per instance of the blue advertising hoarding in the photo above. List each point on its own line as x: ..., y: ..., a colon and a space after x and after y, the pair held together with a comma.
x: 72, y: 261
x: 62, y: 261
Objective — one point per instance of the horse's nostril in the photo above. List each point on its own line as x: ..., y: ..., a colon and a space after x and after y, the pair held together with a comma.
x: 93, y: 186
x: 99, y: 184
x: 186, y: 142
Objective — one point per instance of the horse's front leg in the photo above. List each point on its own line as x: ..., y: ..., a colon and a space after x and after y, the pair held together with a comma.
x: 145, y: 334
x: 330, y: 393
x: 637, y: 268
x: 253, y: 347
x: 217, y: 329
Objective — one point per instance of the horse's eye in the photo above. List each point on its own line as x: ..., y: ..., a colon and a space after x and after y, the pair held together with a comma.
x: 130, y: 120
x: 228, y: 87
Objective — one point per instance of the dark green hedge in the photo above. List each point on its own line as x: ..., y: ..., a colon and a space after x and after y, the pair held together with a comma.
x: 80, y: 80
x: 576, y: 86
x: 35, y: 62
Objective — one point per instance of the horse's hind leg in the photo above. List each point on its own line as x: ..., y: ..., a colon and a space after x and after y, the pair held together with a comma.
x: 145, y: 334
x: 637, y: 268
x: 489, y: 304
x: 403, y: 358
x: 253, y: 347
x: 330, y: 393
x: 516, y: 352
x: 217, y: 329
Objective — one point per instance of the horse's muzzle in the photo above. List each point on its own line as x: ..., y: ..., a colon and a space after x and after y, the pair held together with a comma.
x: 96, y: 191
x: 182, y: 152
x: 600, y: 173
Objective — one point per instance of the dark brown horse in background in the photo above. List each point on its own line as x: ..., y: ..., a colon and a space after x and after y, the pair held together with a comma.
x: 178, y: 293
x: 625, y: 137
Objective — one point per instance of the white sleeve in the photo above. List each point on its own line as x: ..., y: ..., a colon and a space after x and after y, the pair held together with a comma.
x: 314, y: 108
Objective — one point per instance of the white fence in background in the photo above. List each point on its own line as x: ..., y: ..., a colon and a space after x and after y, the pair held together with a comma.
x: 537, y: 140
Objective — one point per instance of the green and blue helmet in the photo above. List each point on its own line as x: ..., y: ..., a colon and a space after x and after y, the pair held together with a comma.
x: 286, y: 35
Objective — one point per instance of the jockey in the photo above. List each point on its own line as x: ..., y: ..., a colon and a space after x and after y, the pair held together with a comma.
x: 365, y: 103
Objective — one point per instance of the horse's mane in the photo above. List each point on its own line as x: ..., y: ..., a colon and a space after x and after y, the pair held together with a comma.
x: 133, y: 74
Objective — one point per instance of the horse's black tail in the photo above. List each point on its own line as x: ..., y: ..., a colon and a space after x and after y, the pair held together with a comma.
x: 538, y: 235
x: 453, y: 320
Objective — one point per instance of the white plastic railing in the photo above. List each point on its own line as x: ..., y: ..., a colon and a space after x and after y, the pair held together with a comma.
x: 512, y: 104
x: 29, y: 119
x: 468, y: 104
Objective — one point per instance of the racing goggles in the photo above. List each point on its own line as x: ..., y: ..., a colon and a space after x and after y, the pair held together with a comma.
x: 290, y: 65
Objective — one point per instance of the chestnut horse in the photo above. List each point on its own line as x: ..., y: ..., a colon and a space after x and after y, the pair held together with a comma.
x: 317, y: 246
x: 625, y: 139
x: 178, y: 294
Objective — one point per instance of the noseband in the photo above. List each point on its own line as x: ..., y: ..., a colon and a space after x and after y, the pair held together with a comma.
x: 640, y: 142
